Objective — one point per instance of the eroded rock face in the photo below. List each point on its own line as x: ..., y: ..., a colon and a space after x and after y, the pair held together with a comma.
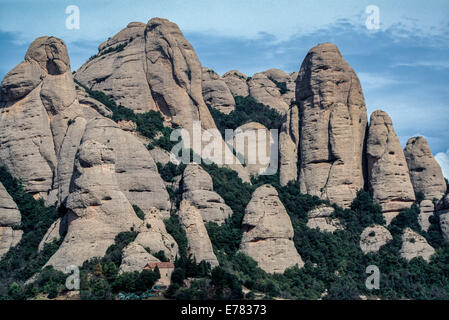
x: 288, y: 147
x: 426, y: 210
x: 136, y: 171
x: 198, y: 190
x: 237, y: 83
x: 333, y: 124
x: 9, y: 216
x: 444, y: 224
x: 9, y: 238
x: 98, y: 209
x: 57, y: 230
x: 268, y: 232
x: 120, y: 73
x: 154, y: 236
x: 373, y: 238
x: 174, y: 74
x: 199, y: 243
x: 39, y: 99
x: 425, y: 172
x: 265, y: 91
x: 388, y: 174
x: 216, y: 93
x: 321, y: 218
x: 415, y: 245
x: 9, y: 213
x: 155, y: 69
x: 135, y: 258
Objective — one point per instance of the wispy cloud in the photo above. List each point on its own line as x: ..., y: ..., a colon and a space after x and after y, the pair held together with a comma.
x: 424, y: 64
x: 372, y: 81
x: 443, y: 160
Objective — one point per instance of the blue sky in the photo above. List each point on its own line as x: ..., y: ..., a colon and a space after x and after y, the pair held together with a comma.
x: 403, y: 65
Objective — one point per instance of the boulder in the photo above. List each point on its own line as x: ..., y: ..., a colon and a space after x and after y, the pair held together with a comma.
x: 425, y: 172
x: 199, y: 244
x: 268, y: 232
x: 388, y: 174
x: 237, y: 83
x: 321, y: 218
x: 333, y: 123
x: 9, y: 213
x: 198, y: 190
x: 415, y: 245
x: 373, y: 238
x: 216, y: 93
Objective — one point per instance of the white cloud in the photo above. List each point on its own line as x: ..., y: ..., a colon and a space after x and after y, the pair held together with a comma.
x: 443, y: 160
x: 376, y: 81
x: 427, y: 64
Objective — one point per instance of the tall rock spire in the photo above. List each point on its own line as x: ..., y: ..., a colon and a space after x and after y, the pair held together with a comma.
x: 332, y: 116
x: 388, y: 174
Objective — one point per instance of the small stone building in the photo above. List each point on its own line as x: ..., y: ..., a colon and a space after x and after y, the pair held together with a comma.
x: 165, y: 269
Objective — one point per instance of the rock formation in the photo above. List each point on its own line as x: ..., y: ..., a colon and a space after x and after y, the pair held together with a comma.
x: 265, y: 91
x: 444, y: 224
x: 9, y: 217
x: 198, y: 189
x: 162, y: 72
x: 153, y: 235
x: 135, y: 258
x: 136, y: 171
x: 118, y: 69
x: 426, y: 210
x: 321, y: 218
x: 56, y: 231
x: 9, y: 238
x: 98, y: 209
x: 415, y: 245
x: 216, y: 93
x: 425, y: 172
x: 333, y: 124
x: 289, y: 146
x: 31, y: 94
x: 237, y: 83
x: 9, y: 213
x: 373, y: 238
x: 199, y: 244
x: 388, y: 174
x: 268, y: 232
